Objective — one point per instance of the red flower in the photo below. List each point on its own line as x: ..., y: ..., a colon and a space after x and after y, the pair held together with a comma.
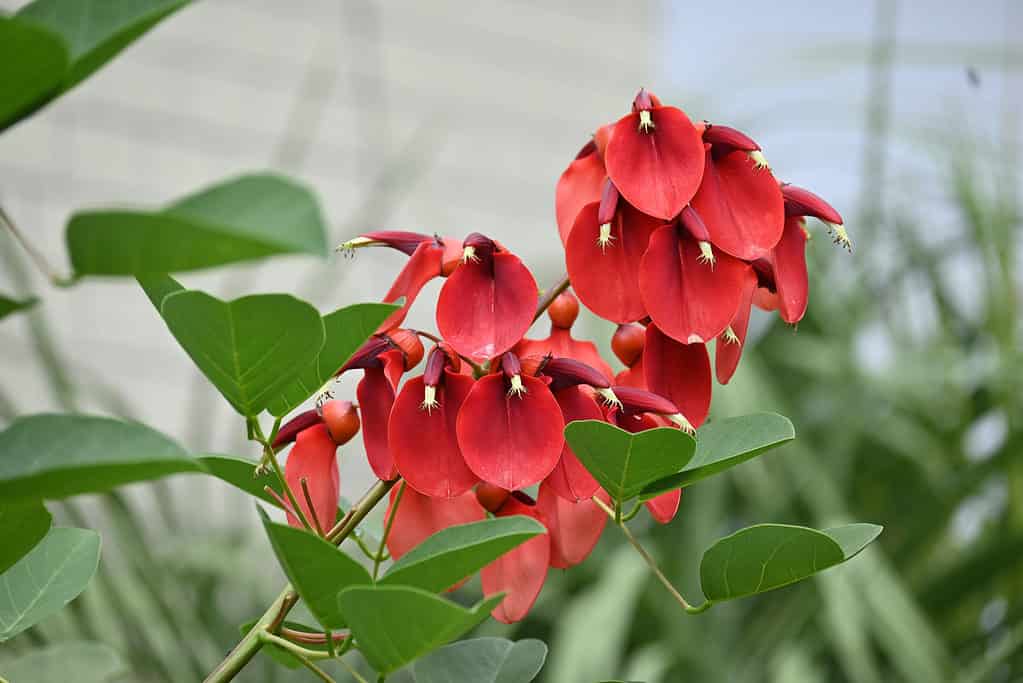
x: 679, y: 372
x: 732, y: 341
x: 520, y: 572
x: 664, y: 507
x: 420, y: 516
x: 488, y: 303
x: 563, y: 312
x: 578, y: 186
x: 314, y: 459
x: 569, y: 478
x: 575, y: 527
x: 655, y: 158
x: 422, y: 433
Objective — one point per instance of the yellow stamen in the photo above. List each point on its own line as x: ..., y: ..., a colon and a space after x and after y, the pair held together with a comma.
x: 609, y: 397
x: 517, y: 388
x: 429, y: 399
x: 469, y: 254
x: 684, y: 424
x: 605, y: 237
x: 326, y: 392
x: 646, y: 123
x: 706, y: 254
x: 759, y: 160
x: 840, y: 235
x: 730, y: 336
x: 348, y: 248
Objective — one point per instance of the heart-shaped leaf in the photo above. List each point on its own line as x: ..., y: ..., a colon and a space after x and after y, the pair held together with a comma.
x: 245, y: 218
x: 249, y: 348
x: 159, y: 286
x: 450, y: 555
x: 317, y: 569
x: 9, y: 305
x: 78, y: 661
x: 346, y: 329
x: 22, y: 526
x: 397, y: 624
x: 482, y: 660
x: 624, y: 463
x: 767, y: 556
x: 54, y: 44
x: 56, y: 456
x: 241, y: 473
x: 723, y: 444
x: 49, y: 577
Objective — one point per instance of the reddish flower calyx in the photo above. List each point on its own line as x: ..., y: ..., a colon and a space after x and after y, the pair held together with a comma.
x: 627, y: 343
x: 342, y: 420
x: 564, y: 310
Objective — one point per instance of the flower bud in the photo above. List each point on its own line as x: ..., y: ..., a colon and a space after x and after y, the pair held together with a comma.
x: 491, y: 497
x: 342, y: 420
x: 410, y: 344
x: 564, y: 310
x: 728, y: 138
x: 405, y: 242
x: 627, y: 343
x: 568, y: 372
x: 636, y: 401
x: 366, y: 356
x: 292, y: 427
x: 800, y: 202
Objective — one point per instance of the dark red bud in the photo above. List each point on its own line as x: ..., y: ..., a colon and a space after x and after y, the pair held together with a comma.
x: 482, y: 246
x: 510, y: 365
x: 564, y: 310
x: 693, y: 224
x: 405, y: 242
x: 491, y: 497
x: 608, y: 203
x: 800, y: 202
x: 627, y: 343
x: 435, y: 363
x: 643, y: 101
x: 292, y: 427
x: 636, y: 401
x: 342, y: 420
x: 410, y: 344
x: 729, y: 138
x: 568, y: 372
x: 366, y: 356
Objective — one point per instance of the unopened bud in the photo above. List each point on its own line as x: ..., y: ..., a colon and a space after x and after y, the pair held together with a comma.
x: 342, y: 420
x: 729, y: 138
x: 410, y: 344
x: 800, y: 202
x: 634, y: 401
x: 563, y: 310
x: 608, y: 202
x: 568, y: 372
x: 292, y: 427
x: 405, y: 242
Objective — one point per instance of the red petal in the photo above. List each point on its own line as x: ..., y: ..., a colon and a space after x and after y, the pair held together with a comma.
x: 790, y: 277
x: 575, y: 528
x: 664, y: 507
x: 424, y: 444
x: 727, y: 353
x: 606, y: 279
x: 562, y: 344
x: 632, y: 377
x: 657, y: 172
x: 578, y: 186
x: 314, y: 458
x: 485, y: 307
x: 420, y: 516
x: 570, y: 479
x: 689, y: 300
x: 376, y: 396
x: 741, y: 206
x: 520, y: 572
x: 422, y: 266
x: 765, y: 299
x: 510, y: 441
x: 678, y: 372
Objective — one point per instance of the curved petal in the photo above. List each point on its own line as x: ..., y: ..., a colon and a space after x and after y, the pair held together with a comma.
x: 574, y: 527
x: 633, y: 376
x: 727, y: 352
x: 578, y: 186
x: 484, y: 308
x: 376, y: 396
x: 741, y: 205
x: 765, y: 299
x: 606, y: 279
x: 314, y: 458
x: 569, y: 479
x: 511, y: 441
x: 423, y: 265
x: 664, y: 507
x: 562, y: 344
x: 424, y: 444
x: 790, y: 276
x: 520, y: 572
x: 658, y: 171
x: 689, y: 300
x: 678, y: 372
x: 420, y: 516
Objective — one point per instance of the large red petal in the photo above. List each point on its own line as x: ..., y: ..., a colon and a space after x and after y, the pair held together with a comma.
x: 520, y: 572
x: 485, y: 307
x: 424, y: 444
x: 689, y: 300
x: 659, y: 171
x: 510, y: 441
x: 579, y: 185
x: 606, y: 278
x: 678, y: 372
x: 569, y: 479
x: 790, y: 276
x: 741, y: 205
x: 575, y: 527
x: 423, y: 265
x: 664, y: 507
x: 420, y: 516
x: 562, y: 344
x: 633, y: 376
x: 376, y: 397
x: 727, y: 352
x: 314, y: 458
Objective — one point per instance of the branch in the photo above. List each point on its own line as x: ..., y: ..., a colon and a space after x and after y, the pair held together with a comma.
x: 37, y: 257
x: 550, y: 295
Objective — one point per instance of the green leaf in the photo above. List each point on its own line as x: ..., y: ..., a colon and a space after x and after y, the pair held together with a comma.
x: 624, y: 463
x: 483, y: 660
x: 56, y: 456
x: 159, y: 286
x: 316, y: 568
x: 22, y: 526
x: 245, y: 218
x: 397, y: 624
x: 78, y: 661
x: 346, y: 329
x: 249, y: 348
x: 768, y: 556
x: 9, y: 305
x: 450, y: 555
x: 241, y: 473
x: 33, y: 61
x: 723, y: 444
x: 46, y: 579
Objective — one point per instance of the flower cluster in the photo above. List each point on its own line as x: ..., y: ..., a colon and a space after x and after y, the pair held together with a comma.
x: 671, y: 229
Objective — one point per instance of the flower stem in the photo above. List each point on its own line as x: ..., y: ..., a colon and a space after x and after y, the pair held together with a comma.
x: 550, y: 295
x: 36, y: 256
x: 387, y: 531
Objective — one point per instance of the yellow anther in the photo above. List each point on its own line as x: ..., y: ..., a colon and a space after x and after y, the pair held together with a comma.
x: 759, y: 160
x: 706, y: 254
x: 517, y: 388
x: 605, y: 238
x: 646, y: 122
x: 429, y: 399
x: 469, y: 254
x: 684, y: 424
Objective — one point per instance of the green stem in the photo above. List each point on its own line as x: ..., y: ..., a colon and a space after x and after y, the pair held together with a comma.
x: 550, y: 295
x: 387, y: 531
x: 271, y: 458
x: 36, y: 256
x: 355, y: 674
x: 291, y: 647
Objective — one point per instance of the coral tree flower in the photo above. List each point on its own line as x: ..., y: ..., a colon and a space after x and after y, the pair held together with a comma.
x: 679, y: 372
x: 488, y: 302
x: 575, y: 527
x: 521, y: 572
x: 563, y: 312
x: 731, y: 342
x: 419, y: 517
x: 578, y: 186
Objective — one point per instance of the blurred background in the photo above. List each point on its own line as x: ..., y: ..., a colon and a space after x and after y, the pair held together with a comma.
x: 903, y: 381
